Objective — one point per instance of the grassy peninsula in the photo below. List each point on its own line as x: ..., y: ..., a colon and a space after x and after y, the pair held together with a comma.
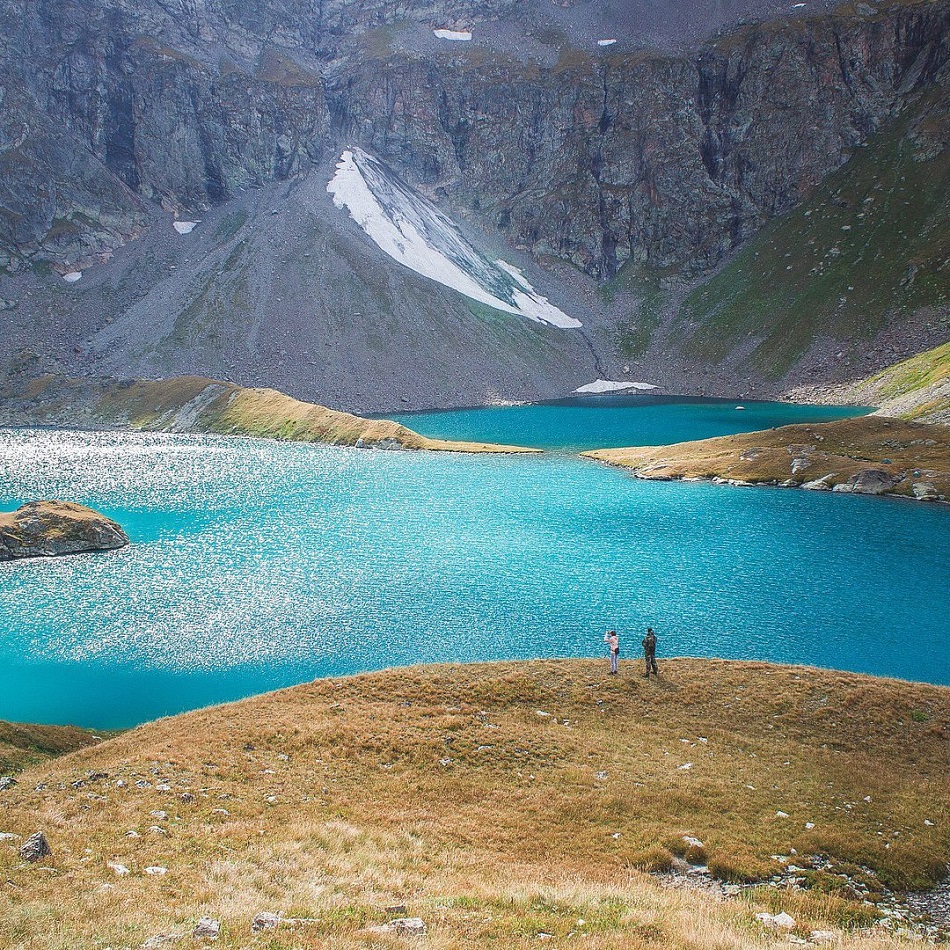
x: 201, y: 405
x: 503, y: 804
x: 875, y: 454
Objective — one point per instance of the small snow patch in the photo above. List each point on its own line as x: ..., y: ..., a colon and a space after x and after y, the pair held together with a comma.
x: 72, y: 276
x: 156, y: 870
x: 685, y: 767
x: 455, y: 36
x: 611, y: 386
x: 606, y: 42
x: 184, y: 227
x: 120, y: 869
x: 781, y: 814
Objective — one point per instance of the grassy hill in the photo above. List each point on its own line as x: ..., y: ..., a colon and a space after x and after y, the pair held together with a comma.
x: 23, y: 744
x: 917, y: 388
x: 504, y: 804
x: 199, y: 404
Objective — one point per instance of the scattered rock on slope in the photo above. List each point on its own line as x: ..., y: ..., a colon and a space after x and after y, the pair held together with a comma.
x: 35, y: 848
x: 47, y: 528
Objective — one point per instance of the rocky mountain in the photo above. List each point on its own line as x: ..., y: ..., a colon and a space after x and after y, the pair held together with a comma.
x: 616, y: 153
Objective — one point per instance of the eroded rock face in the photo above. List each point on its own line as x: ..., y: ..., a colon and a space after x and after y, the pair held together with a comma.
x: 670, y: 160
x: 48, y: 528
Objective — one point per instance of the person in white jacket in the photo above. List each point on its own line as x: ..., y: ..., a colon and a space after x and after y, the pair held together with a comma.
x: 611, y: 638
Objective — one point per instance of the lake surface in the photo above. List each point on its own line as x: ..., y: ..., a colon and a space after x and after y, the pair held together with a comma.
x: 614, y: 421
x: 259, y: 564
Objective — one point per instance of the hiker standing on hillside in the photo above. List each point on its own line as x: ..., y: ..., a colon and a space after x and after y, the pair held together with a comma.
x: 611, y: 638
x: 649, y: 653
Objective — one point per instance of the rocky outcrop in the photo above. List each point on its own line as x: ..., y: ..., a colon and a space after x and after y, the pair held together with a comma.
x: 48, y: 528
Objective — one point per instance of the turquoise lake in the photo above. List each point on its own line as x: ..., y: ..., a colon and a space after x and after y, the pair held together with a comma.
x: 259, y: 564
x: 613, y: 421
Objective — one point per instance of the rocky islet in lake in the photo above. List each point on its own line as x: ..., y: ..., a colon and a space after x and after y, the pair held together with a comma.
x: 51, y: 528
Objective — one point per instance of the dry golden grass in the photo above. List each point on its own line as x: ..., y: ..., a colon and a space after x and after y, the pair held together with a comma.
x: 917, y: 453
x: 497, y: 802
x: 200, y: 404
x: 23, y: 744
x: 269, y: 413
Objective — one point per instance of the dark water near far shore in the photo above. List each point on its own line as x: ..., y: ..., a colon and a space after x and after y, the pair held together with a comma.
x: 613, y: 421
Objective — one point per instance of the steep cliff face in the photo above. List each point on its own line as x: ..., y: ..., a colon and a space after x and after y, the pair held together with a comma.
x: 597, y: 158
x: 668, y: 161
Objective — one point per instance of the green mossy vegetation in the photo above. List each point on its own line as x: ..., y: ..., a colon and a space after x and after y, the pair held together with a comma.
x: 871, y: 244
x: 634, y: 333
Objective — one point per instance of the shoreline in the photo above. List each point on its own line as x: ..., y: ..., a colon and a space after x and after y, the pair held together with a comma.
x: 630, y: 673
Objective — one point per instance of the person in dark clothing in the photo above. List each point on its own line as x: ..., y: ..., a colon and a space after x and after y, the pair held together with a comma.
x: 649, y: 653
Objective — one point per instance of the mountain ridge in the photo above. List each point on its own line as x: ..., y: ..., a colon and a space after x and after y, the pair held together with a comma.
x: 653, y: 168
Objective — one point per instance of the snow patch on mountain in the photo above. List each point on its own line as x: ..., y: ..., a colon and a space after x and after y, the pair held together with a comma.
x: 411, y: 230
x: 457, y: 36
x: 612, y: 386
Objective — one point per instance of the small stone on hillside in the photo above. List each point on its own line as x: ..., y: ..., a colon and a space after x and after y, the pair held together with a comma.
x: 35, y: 848
x: 407, y: 926
x: 7, y: 781
x: 822, y: 936
x: 780, y: 921
x: 159, y: 940
x: 8, y: 836
x: 120, y: 869
x: 208, y: 928
x: 156, y: 870
x: 265, y: 920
